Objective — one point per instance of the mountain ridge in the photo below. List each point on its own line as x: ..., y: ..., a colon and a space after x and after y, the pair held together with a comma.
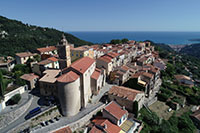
x: 16, y: 36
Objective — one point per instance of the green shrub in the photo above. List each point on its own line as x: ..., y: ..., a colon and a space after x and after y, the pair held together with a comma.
x: 163, y: 97
x: 16, y: 98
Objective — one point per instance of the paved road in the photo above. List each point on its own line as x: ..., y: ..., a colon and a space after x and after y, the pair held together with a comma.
x: 24, y: 98
x: 67, y: 120
x: 105, y: 89
x: 22, y: 118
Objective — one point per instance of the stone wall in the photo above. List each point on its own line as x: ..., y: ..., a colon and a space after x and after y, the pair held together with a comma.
x: 7, y: 118
x: 81, y: 122
x: 28, y: 123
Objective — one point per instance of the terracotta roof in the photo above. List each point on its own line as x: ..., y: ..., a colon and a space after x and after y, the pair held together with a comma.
x: 95, y: 75
x: 131, y: 41
x: 81, y: 48
x: 142, y: 59
x: 53, y: 59
x: 48, y: 60
x: 110, y: 128
x: 44, y: 62
x: 50, y: 76
x: 125, y: 68
x: 124, y: 92
x: 113, y: 54
x: 115, y: 110
x: 136, y: 75
x: 64, y: 130
x: 46, y: 49
x: 82, y: 64
x: 29, y: 76
x: 105, y: 58
x: 149, y: 75
x: 68, y: 77
x: 25, y: 54
x: 182, y: 77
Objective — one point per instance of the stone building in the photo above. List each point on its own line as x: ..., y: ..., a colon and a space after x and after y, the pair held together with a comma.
x: 106, y: 63
x: 49, y: 63
x: 64, y: 53
x: 48, y: 50
x: 115, y: 113
x: 22, y: 58
x: 76, y: 85
x: 82, y: 51
x: 97, y: 80
x: 47, y: 83
x: 7, y: 63
x: 31, y: 80
x: 69, y: 93
x: 125, y: 97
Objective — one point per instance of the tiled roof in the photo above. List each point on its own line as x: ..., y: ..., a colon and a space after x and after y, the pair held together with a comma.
x: 113, y: 54
x: 50, y: 76
x: 95, y: 75
x: 106, y: 125
x: 82, y: 64
x: 29, y: 76
x: 68, y: 77
x: 149, y: 75
x: 142, y: 59
x: 47, y: 61
x: 124, y: 92
x: 182, y: 77
x: 44, y: 62
x: 115, y: 110
x: 136, y: 75
x: 131, y: 41
x: 46, y: 49
x: 125, y: 68
x: 53, y: 59
x: 81, y: 48
x: 105, y: 59
x: 25, y: 54
x: 64, y: 130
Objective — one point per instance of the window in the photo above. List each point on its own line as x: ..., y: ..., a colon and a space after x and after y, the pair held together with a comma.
x: 120, y: 121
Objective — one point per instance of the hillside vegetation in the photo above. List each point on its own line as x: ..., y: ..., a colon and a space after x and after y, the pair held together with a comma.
x: 18, y: 37
x: 193, y: 50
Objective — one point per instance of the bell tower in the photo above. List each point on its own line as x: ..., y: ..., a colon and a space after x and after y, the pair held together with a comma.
x: 64, y: 53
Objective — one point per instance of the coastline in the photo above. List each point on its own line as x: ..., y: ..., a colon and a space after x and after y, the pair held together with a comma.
x: 177, y: 47
x: 172, y: 38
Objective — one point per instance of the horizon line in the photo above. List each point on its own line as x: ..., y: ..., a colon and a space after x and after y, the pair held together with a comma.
x: 124, y: 31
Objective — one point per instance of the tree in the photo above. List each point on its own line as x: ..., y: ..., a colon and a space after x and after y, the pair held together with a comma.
x: 115, y: 41
x: 14, y: 99
x: 135, y: 108
x: 125, y: 40
x: 2, y: 85
x: 185, y: 124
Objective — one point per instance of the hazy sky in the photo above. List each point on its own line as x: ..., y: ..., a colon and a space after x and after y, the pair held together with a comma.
x: 106, y: 15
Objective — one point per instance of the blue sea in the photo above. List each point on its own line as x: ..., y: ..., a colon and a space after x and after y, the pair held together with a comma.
x: 158, y: 37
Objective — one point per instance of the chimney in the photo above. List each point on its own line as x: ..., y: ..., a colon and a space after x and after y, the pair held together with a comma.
x: 123, y: 107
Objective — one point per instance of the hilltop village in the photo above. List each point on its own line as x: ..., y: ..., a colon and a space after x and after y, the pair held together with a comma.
x: 97, y: 88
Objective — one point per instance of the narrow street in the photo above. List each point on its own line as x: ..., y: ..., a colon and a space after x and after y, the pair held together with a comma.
x: 21, y: 119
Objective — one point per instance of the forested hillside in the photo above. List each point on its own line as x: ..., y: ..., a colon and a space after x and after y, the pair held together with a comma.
x: 193, y: 50
x: 18, y: 37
